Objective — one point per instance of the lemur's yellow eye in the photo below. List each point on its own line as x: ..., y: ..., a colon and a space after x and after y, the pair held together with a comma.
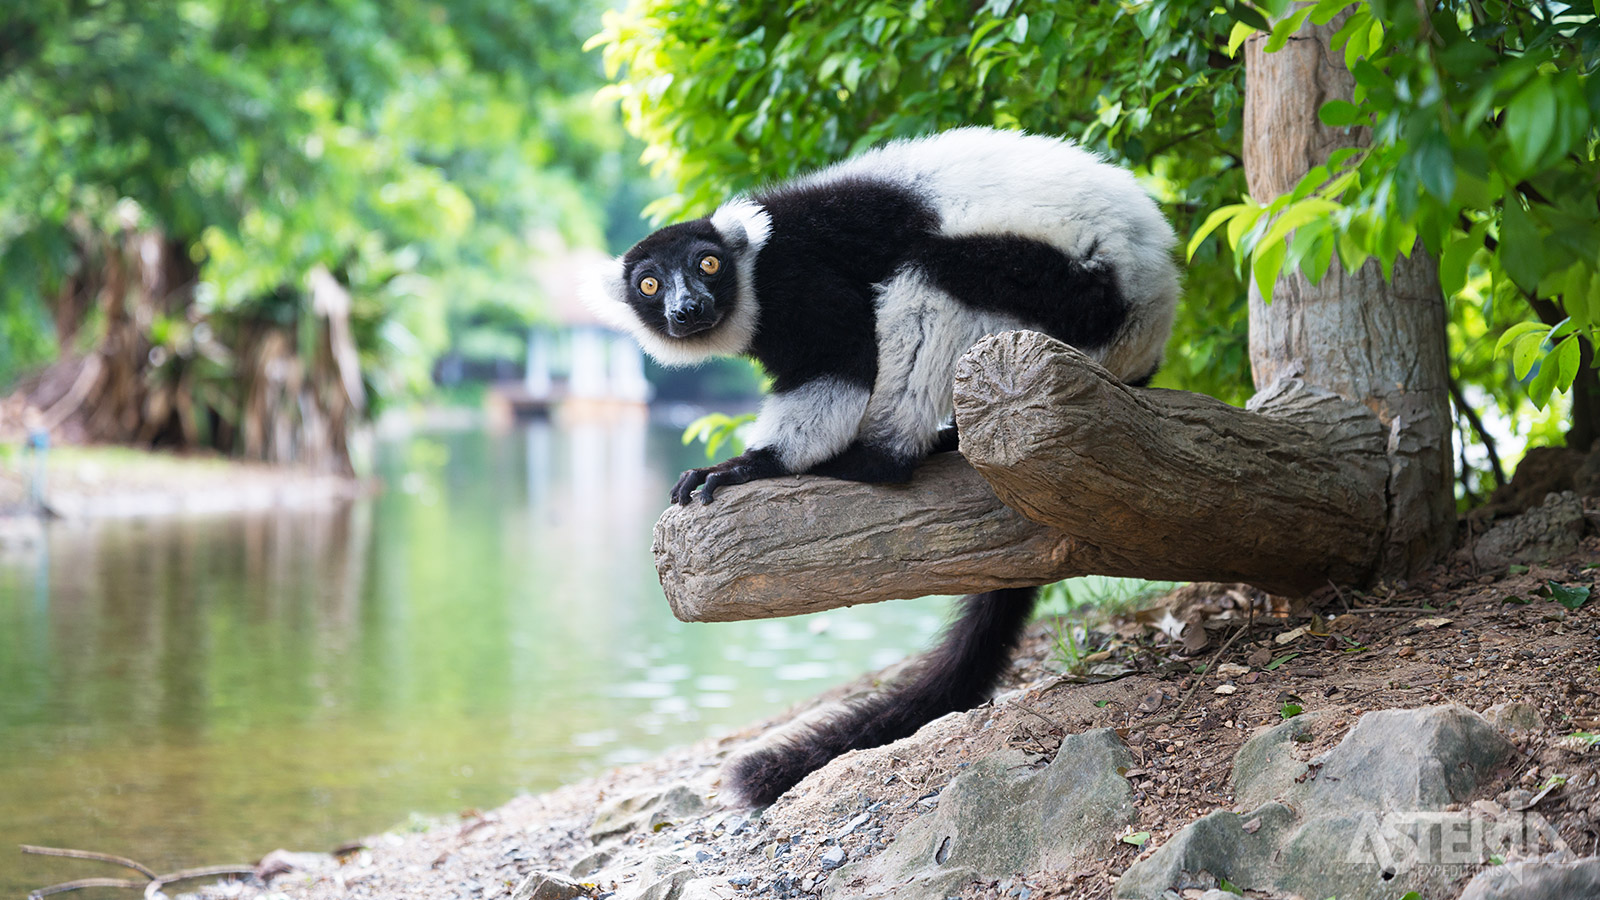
x: 710, y: 265
x: 648, y: 286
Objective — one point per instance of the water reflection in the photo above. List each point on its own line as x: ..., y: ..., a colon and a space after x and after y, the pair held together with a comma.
x: 199, y: 690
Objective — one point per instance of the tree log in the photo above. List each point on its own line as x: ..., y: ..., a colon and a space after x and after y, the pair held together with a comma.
x: 1101, y: 479
x: 1169, y: 484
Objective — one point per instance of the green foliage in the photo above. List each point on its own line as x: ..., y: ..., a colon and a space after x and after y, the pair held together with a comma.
x: 410, y: 147
x: 727, y: 96
x: 1483, y: 120
x: 1482, y: 116
x: 717, y: 430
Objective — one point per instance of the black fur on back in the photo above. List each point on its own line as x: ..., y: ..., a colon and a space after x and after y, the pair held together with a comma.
x: 958, y: 674
x: 1072, y: 300
x: 831, y: 244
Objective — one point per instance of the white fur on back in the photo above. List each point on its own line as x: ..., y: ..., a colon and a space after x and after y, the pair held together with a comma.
x: 811, y: 424
x: 981, y: 182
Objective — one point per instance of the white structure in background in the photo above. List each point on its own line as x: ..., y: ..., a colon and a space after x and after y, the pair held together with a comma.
x: 600, y: 364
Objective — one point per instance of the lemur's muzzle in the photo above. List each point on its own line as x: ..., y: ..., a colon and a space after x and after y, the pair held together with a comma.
x: 690, y: 314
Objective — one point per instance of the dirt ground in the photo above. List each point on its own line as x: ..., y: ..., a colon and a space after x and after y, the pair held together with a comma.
x: 1454, y: 636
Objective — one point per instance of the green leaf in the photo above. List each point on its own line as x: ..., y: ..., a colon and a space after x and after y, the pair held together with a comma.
x: 1521, y: 253
x: 1325, y: 10
x: 1436, y: 166
x: 1516, y: 569
x: 1542, y: 384
x: 1531, y: 121
x: 1517, y: 331
x: 1290, y: 710
x: 1302, y: 213
x: 1019, y: 29
x: 1272, y: 666
x: 1338, y: 113
x: 1248, y: 15
x: 1453, y: 264
x: 1210, y: 224
x: 1138, y: 838
x: 1570, y: 597
x: 1525, y: 353
x: 1567, y: 362
x: 1268, y: 263
x: 1240, y: 33
x: 1286, y: 28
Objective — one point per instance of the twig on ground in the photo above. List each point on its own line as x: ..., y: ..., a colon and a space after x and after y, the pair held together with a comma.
x: 123, y: 861
x: 151, y: 885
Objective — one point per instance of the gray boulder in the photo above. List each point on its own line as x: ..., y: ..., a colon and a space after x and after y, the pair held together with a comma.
x: 1537, y: 879
x: 1548, y: 531
x: 547, y: 886
x: 652, y: 810
x: 1002, y: 816
x: 1367, y: 820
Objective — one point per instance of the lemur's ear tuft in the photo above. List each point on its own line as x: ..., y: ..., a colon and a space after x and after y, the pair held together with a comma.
x: 604, y: 291
x: 742, y: 224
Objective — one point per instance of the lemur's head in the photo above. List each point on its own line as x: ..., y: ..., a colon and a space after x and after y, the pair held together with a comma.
x: 686, y: 292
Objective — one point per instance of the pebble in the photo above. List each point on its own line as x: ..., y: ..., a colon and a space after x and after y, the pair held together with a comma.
x: 851, y: 826
x: 742, y: 879
x: 832, y: 858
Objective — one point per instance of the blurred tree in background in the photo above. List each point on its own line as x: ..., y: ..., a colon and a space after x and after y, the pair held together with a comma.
x: 1481, y: 116
x: 235, y: 222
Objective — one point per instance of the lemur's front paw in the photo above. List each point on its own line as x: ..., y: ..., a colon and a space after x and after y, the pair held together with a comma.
x: 687, y: 482
x: 745, y: 467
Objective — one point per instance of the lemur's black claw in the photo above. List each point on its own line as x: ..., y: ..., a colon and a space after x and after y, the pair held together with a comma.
x: 684, y: 489
x: 734, y: 475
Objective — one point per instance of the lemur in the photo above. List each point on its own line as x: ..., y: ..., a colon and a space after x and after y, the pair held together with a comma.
x: 857, y: 288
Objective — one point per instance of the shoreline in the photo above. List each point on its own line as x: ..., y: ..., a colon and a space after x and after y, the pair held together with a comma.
x: 111, y: 482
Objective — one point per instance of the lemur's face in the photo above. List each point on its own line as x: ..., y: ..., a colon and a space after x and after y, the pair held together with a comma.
x: 680, y: 281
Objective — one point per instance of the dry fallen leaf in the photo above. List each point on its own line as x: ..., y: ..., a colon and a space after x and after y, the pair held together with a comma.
x: 1291, y: 635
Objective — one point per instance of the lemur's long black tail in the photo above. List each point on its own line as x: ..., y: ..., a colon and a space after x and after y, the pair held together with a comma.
x: 959, y: 673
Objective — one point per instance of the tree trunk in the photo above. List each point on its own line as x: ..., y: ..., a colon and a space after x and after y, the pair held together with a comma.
x: 1378, y: 343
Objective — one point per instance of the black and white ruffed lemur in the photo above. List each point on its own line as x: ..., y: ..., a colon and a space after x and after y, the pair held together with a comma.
x: 857, y: 288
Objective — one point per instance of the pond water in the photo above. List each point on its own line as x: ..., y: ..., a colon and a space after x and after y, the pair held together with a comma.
x: 201, y: 690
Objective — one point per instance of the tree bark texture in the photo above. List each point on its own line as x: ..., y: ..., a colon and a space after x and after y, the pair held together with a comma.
x: 1374, y: 342
x: 1093, y: 477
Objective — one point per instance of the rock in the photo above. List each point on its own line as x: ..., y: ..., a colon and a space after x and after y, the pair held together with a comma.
x: 1265, y: 768
x: 1537, y: 879
x: 653, y: 810
x: 1517, y: 715
x: 851, y: 826
x: 547, y: 886
x: 1369, y: 819
x: 1209, y: 849
x: 831, y: 858
x: 670, y: 887
x: 1545, y: 532
x: 1002, y: 816
x: 590, y: 864
x: 742, y: 879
